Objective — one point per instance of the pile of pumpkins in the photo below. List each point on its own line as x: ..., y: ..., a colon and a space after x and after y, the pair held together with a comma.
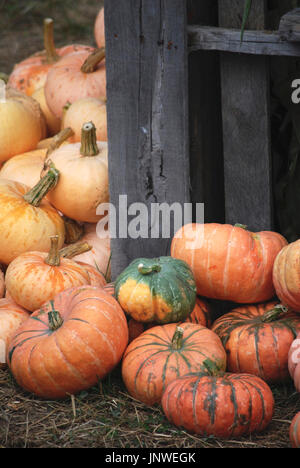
x: 64, y: 326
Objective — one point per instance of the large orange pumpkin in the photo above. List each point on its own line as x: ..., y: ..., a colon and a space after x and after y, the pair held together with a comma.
x: 257, y: 339
x: 71, y: 343
x: 11, y: 317
x: 229, y: 262
x: 163, y: 353
x: 220, y: 404
x: 286, y: 275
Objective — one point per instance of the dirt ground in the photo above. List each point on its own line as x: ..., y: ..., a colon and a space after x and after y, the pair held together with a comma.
x: 104, y: 416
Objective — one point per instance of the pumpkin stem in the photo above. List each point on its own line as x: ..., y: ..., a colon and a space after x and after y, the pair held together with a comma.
x: 146, y: 270
x: 243, y: 226
x: 74, y: 249
x: 2, y: 91
x: 274, y: 314
x: 58, y: 139
x: 210, y: 367
x: 74, y: 230
x: 4, y: 77
x: 53, y: 257
x: 90, y: 64
x: 54, y: 318
x: 51, y: 54
x: 38, y: 192
x: 177, y: 338
x: 88, y: 140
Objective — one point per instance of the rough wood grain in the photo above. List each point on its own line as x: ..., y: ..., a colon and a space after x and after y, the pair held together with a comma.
x: 147, y: 111
x: 289, y: 26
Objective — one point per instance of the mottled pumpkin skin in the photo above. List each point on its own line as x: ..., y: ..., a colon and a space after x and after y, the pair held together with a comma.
x: 225, y: 406
x: 294, y: 432
x: 164, y: 296
x: 229, y: 262
x: 256, y: 344
x: 150, y: 361
x: 82, y: 350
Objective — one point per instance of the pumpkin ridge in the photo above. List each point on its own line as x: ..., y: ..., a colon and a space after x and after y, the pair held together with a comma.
x: 250, y: 406
x: 209, y: 403
x: 258, y: 390
x: 227, y: 262
x: 194, y: 395
x: 235, y: 405
x: 30, y: 370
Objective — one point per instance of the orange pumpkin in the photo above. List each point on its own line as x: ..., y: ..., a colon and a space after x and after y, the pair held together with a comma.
x: 229, y: 262
x: 11, y: 317
x: 2, y: 284
x: 74, y: 77
x: 163, y: 353
x: 53, y: 123
x: 26, y: 219
x: 286, y: 275
x: 99, y: 30
x: 36, y: 277
x: 71, y: 343
x: 294, y: 431
x: 30, y: 74
x: 257, y: 339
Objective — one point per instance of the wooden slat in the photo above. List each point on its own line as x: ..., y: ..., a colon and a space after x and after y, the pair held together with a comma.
x: 246, y: 127
x: 229, y: 40
x: 147, y: 109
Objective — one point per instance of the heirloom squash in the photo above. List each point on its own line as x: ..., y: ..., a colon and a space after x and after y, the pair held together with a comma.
x: 286, y: 275
x: 160, y: 290
x: 11, y: 317
x: 71, y: 343
x: 229, y: 262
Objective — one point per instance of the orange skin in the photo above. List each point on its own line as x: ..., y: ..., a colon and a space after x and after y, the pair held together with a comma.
x: 11, y: 317
x: 2, y: 284
x: 31, y: 282
x: 150, y: 362
x: 96, y: 278
x: 286, y: 275
x: 24, y: 227
x: 228, y: 262
x: 99, y: 31
x: 83, y: 350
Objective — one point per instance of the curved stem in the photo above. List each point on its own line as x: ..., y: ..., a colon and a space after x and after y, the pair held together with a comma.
x: 74, y: 230
x: 177, y: 338
x: 242, y: 226
x: 38, y: 192
x: 54, y: 318
x: 53, y: 258
x: 90, y: 64
x: 274, y: 314
x: 89, y: 145
x: 146, y: 270
x: 74, y: 249
x: 51, y: 54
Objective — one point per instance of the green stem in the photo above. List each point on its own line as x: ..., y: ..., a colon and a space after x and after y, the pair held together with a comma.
x: 242, y: 226
x: 177, y: 338
x: 54, y: 318
x: 53, y: 258
x: 146, y: 270
x: 74, y: 249
x: 274, y: 314
x: 74, y: 230
x: 211, y: 368
x: 90, y: 64
x: 89, y: 145
x: 38, y: 192
x: 51, y: 54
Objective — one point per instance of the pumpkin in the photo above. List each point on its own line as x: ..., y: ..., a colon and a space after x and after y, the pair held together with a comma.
x: 221, y: 404
x: 27, y: 167
x: 293, y: 361
x: 30, y: 74
x: 257, y: 339
x: 83, y: 169
x: 109, y: 288
x: 27, y: 220
x: 52, y: 122
x: 2, y: 284
x: 286, y: 275
x: 165, y: 352
x: 84, y: 110
x: 71, y: 343
x: 36, y: 277
x: 22, y: 124
x: 74, y: 77
x: 99, y: 30
x: 11, y: 317
x: 229, y: 262
x: 294, y: 431
x: 160, y: 290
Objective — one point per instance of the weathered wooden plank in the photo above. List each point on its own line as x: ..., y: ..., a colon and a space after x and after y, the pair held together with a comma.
x: 147, y: 110
x: 289, y: 26
x: 246, y: 128
x: 229, y: 40
x: 205, y: 121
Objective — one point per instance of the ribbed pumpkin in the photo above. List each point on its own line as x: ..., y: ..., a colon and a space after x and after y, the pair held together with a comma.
x: 163, y: 353
x: 220, y: 404
x: 74, y: 77
x: 99, y: 30
x: 11, y: 317
x: 109, y: 288
x: 83, y: 181
x: 160, y: 290
x: 257, y: 339
x: 229, y: 262
x: 286, y: 275
x: 26, y: 219
x: 30, y: 74
x: 294, y: 431
x: 22, y: 124
x: 36, y: 277
x: 71, y: 343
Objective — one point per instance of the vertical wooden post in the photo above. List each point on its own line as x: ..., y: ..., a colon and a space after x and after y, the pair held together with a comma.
x: 147, y: 109
x: 246, y: 125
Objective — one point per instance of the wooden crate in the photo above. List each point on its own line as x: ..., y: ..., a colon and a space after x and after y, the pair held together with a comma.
x: 189, y: 109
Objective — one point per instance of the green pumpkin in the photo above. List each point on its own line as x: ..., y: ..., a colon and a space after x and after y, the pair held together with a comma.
x: 161, y: 290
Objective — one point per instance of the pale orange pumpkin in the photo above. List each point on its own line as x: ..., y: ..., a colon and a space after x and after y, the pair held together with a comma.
x: 83, y: 180
x: 36, y: 277
x: 22, y: 124
x: 286, y: 275
x: 2, y: 284
x: 30, y: 74
x: 84, y: 110
x: 99, y: 29
x: 53, y: 122
x: 11, y: 317
x: 74, y: 77
x: 27, y: 220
